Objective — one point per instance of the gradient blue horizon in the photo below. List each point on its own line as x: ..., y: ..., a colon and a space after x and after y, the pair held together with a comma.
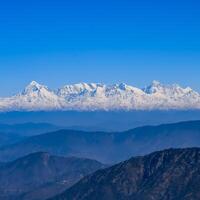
x: 61, y: 42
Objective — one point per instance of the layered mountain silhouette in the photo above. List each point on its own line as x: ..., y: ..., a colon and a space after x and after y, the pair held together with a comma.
x: 99, y: 120
x: 28, y: 129
x: 12, y: 133
x: 40, y: 175
x: 7, y: 138
x: 108, y: 147
x: 172, y: 174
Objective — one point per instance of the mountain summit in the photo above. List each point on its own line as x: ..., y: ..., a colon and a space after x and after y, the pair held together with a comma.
x: 34, y: 87
x: 95, y: 96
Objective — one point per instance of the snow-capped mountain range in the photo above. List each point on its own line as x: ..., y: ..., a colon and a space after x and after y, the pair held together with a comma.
x: 91, y: 97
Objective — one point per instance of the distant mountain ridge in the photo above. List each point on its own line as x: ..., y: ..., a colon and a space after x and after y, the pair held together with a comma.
x: 28, y: 129
x: 93, y: 96
x: 12, y: 133
x: 108, y: 147
x: 171, y: 174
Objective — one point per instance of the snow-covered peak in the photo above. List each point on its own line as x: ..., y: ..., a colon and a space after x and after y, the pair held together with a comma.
x: 156, y: 83
x: 79, y: 88
x: 95, y: 96
x: 172, y: 96
x: 121, y: 86
x: 155, y: 87
x: 34, y: 87
x: 34, y: 83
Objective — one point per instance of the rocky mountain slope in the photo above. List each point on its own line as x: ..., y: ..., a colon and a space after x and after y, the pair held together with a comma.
x: 40, y: 175
x: 172, y: 174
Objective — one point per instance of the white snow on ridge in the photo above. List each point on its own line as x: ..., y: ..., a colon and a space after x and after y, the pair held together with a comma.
x: 90, y: 97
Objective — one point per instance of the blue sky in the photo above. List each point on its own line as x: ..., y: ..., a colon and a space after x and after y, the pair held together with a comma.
x: 60, y: 42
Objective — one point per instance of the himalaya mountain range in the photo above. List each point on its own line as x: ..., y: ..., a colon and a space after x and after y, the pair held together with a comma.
x: 93, y: 97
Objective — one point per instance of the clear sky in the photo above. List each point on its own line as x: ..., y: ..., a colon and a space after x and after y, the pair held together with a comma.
x: 57, y: 42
